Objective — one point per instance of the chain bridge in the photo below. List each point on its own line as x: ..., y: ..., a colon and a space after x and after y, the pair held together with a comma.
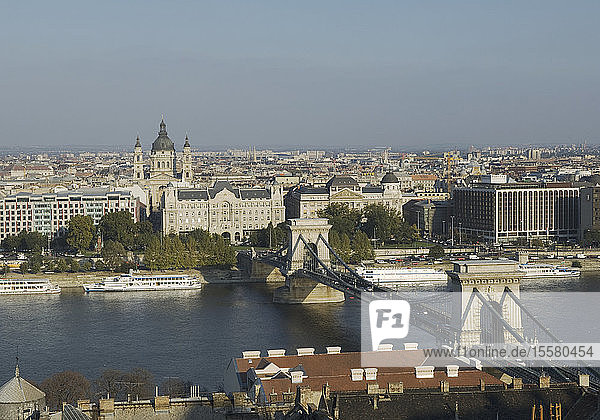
x: 482, y: 310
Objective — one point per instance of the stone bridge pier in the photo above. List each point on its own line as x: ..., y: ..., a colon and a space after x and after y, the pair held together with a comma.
x: 299, y: 288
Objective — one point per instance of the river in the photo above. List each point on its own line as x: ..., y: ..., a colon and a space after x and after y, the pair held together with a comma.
x: 188, y: 335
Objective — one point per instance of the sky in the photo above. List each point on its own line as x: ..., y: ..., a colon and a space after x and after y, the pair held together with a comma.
x: 299, y: 74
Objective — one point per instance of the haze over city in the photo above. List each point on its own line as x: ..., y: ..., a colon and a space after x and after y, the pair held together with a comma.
x: 289, y: 75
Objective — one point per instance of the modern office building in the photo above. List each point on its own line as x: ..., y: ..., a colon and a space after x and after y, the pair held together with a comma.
x: 590, y: 209
x: 223, y: 209
x: 509, y: 212
x: 49, y: 213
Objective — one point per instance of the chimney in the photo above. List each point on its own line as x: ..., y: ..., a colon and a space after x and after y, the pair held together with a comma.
x: 517, y: 383
x: 371, y: 374
x: 306, y: 351
x: 356, y: 374
x: 481, y: 384
x: 251, y: 354
x: 334, y: 350
x: 296, y: 377
x: 452, y: 371
x: 411, y: 346
x: 395, y: 388
x: 385, y: 347
x: 584, y: 380
x: 545, y: 381
x: 276, y: 353
x: 424, y: 372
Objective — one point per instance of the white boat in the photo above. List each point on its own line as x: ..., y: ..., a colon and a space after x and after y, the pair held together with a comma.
x: 135, y: 282
x: 401, y: 276
x: 27, y: 287
x: 547, y: 270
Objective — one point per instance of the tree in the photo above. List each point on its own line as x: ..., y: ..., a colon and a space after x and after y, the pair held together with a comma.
x: 110, y: 382
x: 61, y: 266
x: 143, y: 234
x: 436, y: 252
x: 591, y: 238
x: 74, y: 265
x: 118, y: 227
x: 270, y: 236
x: 35, y: 262
x: 23, y: 267
x: 11, y: 243
x: 362, y: 249
x: 342, y: 218
x: 81, y: 232
x: 86, y: 265
x: 113, y: 254
x: 32, y: 241
x: 381, y: 222
x: 341, y: 245
x: 176, y: 387
x: 65, y: 387
x: 140, y: 383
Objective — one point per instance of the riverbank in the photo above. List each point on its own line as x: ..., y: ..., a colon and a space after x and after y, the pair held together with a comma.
x: 74, y: 280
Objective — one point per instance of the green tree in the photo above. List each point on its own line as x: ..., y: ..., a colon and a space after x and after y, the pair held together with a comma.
x: 362, y: 249
x: 35, y: 262
x: 436, y: 251
x: 118, y: 227
x: 153, y: 255
x: 100, y: 265
x: 342, y: 218
x: 32, y: 241
x: 591, y: 238
x: 61, y: 265
x: 23, y: 267
x: 81, y: 232
x: 11, y: 243
x: 270, y: 236
x: 143, y: 234
x: 113, y: 254
x: 5, y: 269
x: 381, y: 222
x: 74, y: 265
x: 86, y: 265
x: 341, y: 245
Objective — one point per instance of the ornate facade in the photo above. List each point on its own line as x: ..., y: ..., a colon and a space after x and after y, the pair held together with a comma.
x: 162, y: 169
x: 223, y: 209
x: 303, y: 201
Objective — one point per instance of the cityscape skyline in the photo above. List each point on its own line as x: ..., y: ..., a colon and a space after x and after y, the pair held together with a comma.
x: 274, y: 75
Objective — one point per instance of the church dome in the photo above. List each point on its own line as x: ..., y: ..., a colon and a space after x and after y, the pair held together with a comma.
x: 163, y: 142
x: 18, y: 390
x: 389, y: 178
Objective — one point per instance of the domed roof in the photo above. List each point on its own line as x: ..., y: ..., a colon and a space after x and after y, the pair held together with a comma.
x: 389, y: 178
x: 163, y: 142
x: 18, y: 390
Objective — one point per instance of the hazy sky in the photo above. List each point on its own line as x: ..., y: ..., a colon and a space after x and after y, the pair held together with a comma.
x: 300, y: 73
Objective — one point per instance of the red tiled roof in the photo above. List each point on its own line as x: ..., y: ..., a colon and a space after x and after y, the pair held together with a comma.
x: 334, y: 369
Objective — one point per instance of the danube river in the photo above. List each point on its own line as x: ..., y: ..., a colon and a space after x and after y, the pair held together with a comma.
x: 189, y: 335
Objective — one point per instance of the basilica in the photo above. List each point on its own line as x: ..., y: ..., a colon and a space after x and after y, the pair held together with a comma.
x: 177, y: 205
x: 162, y: 169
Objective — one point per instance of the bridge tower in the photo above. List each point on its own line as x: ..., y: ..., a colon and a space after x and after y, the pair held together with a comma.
x: 488, y: 307
x: 302, y: 235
